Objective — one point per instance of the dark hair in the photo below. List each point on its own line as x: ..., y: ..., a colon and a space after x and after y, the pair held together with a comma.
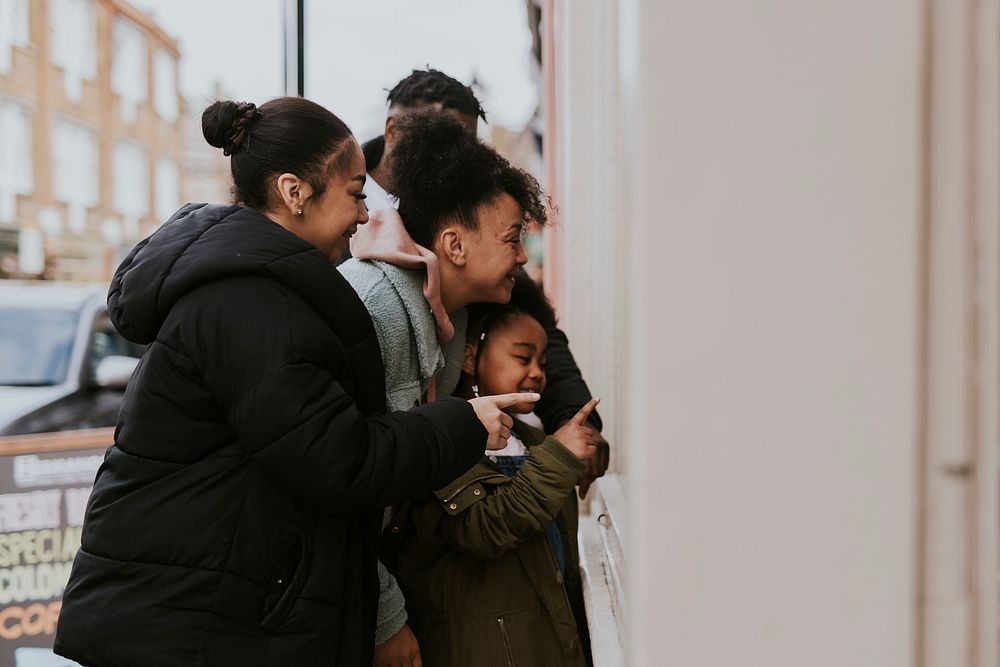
x: 286, y: 135
x: 441, y: 172
x: 527, y: 298
x: 430, y: 86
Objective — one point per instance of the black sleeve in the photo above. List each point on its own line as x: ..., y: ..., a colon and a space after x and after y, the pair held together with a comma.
x: 301, y: 425
x: 320, y: 447
x: 565, y: 391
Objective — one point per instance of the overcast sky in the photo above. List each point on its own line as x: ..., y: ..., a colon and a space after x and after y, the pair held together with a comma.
x: 354, y: 51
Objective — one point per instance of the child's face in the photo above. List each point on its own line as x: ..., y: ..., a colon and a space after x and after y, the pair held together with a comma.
x: 513, y: 360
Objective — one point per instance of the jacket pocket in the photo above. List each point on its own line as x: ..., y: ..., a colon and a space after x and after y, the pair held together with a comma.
x: 285, y: 585
x: 506, y: 642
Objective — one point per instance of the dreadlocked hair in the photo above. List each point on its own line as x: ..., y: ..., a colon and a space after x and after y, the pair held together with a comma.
x: 431, y: 86
x: 441, y: 173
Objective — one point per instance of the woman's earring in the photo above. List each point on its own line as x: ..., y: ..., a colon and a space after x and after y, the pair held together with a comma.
x: 299, y: 212
x: 475, y: 390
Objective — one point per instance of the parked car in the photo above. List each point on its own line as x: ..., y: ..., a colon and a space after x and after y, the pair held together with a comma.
x: 63, y: 365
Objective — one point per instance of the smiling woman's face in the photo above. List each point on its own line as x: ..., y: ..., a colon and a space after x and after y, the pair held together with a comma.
x: 494, y: 251
x: 329, y: 220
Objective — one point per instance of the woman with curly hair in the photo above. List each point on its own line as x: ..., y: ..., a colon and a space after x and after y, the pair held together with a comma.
x: 455, y: 240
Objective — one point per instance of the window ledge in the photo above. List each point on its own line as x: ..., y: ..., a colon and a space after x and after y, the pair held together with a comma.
x: 602, y: 568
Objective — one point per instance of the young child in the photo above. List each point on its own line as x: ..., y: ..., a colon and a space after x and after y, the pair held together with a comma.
x: 489, y: 564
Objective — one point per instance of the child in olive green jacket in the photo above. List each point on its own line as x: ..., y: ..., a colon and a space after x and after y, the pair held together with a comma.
x: 489, y: 565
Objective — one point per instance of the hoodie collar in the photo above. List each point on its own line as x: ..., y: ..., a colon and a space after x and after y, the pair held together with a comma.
x: 385, y: 238
x: 203, y: 243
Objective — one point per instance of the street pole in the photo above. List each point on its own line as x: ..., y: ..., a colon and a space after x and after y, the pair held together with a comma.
x: 295, y: 81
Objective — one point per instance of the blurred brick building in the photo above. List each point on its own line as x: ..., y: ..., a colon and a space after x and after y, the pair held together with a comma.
x: 91, y: 135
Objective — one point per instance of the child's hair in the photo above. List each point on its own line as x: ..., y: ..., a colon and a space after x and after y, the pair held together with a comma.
x: 442, y: 173
x: 527, y: 298
x: 484, y: 318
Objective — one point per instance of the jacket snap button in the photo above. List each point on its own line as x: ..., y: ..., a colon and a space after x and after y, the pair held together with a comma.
x: 477, y: 492
x: 395, y: 529
x: 281, y: 582
x: 453, y: 506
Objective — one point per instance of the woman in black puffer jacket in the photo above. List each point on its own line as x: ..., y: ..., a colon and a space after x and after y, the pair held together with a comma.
x: 236, y: 519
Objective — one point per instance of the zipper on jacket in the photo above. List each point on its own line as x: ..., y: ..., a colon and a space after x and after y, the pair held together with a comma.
x: 561, y: 581
x: 506, y: 642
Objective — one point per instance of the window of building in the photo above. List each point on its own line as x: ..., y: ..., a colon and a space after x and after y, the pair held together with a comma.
x: 75, y: 167
x: 130, y: 175
x: 15, y: 159
x: 73, y: 25
x: 14, y: 31
x: 167, y: 192
x: 129, y: 66
x: 165, y: 84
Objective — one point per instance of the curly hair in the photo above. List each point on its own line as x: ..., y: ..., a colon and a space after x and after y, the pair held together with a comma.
x: 527, y: 299
x: 442, y: 173
x: 431, y: 86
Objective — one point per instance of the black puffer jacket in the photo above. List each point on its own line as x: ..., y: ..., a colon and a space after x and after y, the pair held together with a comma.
x: 236, y: 519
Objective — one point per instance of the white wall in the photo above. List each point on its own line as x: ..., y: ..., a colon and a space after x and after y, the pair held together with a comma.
x: 777, y: 362
x: 587, y: 224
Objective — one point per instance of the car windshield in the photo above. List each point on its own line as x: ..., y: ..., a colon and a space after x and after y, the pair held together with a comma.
x: 35, y: 346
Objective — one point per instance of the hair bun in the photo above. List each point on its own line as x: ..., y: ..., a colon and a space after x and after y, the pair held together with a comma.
x: 226, y: 124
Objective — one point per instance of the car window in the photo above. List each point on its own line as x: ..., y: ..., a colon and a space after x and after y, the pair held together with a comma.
x: 105, y: 341
x: 35, y: 345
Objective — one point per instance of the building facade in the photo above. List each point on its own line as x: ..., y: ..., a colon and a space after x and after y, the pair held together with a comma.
x: 92, y: 135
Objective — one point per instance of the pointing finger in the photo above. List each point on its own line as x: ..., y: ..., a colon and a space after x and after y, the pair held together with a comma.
x: 581, y: 416
x: 507, y: 400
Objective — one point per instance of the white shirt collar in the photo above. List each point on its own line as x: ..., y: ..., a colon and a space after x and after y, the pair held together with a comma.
x: 515, y: 447
x: 377, y: 197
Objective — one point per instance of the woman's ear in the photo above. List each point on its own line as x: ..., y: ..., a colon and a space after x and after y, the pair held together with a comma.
x: 293, y: 192
x: 469, y: 359
x: 390, y: 130
x: 451, y: 242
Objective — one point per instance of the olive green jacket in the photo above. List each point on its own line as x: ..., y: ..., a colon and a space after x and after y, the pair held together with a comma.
x: 481, y: 584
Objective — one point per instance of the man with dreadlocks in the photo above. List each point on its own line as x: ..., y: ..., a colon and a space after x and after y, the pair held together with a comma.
x: 422, y: 89
x: 566, y: 392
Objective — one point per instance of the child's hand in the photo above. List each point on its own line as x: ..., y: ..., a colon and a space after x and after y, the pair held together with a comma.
x: 577, y: 435
x: 489, y: 409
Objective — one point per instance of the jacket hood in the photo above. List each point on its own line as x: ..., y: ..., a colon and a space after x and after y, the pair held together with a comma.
x: 385, y: 238
x: 203, y: 243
